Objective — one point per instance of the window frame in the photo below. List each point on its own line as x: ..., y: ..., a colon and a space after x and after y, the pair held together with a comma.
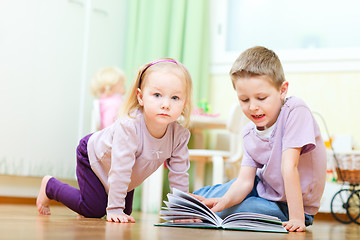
x: 295, y: 60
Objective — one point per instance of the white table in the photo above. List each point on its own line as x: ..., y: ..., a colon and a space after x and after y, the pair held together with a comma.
x: 200, y: 123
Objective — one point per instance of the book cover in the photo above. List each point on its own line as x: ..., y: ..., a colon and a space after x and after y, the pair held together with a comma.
x: 183, y: 206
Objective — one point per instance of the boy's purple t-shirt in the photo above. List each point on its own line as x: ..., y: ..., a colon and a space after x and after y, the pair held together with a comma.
x: 294, y: 128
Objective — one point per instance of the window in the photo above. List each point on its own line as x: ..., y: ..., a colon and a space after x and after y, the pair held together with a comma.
x: 307, y: 35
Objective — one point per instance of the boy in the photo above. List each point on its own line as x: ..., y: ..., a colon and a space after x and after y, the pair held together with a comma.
x: 284, y: 163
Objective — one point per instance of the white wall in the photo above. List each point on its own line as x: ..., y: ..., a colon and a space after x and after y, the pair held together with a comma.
x: 45, y: 71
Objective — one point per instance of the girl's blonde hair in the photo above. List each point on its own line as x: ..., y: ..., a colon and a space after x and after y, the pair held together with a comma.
x: 258, y: 61
x: 164, y: 64
x: 104, y: 79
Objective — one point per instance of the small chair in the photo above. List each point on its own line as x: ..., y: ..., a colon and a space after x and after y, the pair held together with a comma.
x: 223, y: 161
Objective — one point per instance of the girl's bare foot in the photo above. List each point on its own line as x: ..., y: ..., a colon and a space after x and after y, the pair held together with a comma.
x: 42, y: 201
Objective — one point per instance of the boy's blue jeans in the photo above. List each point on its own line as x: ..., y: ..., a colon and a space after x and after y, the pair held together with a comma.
x: 252, y: 203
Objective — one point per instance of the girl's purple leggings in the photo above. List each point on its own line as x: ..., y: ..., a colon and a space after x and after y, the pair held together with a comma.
x: 91, y: 199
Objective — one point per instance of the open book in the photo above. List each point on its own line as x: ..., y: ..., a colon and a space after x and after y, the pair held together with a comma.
x: 182, y: 206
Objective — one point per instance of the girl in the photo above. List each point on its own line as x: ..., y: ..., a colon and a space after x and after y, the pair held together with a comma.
x: 108, y: 85
x: 112, y: 162
x: 284, y: 164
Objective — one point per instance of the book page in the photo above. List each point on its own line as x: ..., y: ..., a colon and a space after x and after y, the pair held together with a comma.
x: 251, y: 216
x: 177, y: 204
x: 198, y: 203
x: 255, y: 226
x: 187, y: 225
x: 253, y: 222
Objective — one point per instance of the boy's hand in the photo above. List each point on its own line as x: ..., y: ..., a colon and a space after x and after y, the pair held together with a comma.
x: 211, y: 203
x: 120, y: 218
x: 294, y: 225
x: 198, y: 197
x: 215, y: 204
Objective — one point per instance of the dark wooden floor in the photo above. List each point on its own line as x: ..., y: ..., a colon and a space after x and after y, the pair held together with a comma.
x: 23, y: 222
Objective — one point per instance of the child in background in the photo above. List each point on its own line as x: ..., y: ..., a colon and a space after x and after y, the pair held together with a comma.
x: 108, y: 85
x: 112, y: 162
x: 284, y: 164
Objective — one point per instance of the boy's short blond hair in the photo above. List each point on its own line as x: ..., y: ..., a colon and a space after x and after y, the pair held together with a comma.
x: 258, y: 61
x: 105, y: 78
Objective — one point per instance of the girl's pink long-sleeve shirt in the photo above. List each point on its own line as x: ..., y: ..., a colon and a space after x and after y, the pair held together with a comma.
x: 124, y: 154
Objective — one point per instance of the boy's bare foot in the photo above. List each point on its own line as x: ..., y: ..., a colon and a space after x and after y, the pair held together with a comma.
x: 42, y: 201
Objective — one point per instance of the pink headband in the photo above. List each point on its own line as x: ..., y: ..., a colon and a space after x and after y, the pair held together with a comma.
x: 164, y: 60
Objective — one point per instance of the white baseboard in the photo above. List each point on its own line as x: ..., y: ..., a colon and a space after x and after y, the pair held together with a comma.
x: 20, y: 186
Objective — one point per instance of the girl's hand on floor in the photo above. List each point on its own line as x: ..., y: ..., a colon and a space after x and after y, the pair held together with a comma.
x: 294, y: 225
x: 120, y: 218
